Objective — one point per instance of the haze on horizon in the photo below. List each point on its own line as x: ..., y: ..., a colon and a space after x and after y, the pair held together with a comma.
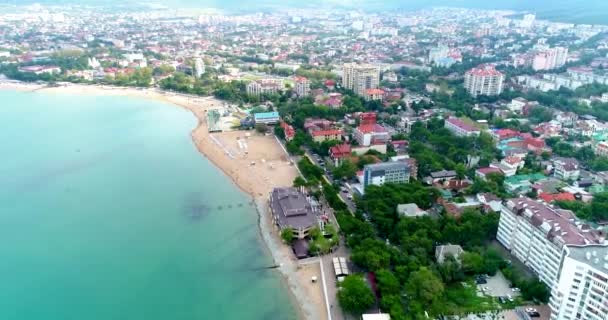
x: 588, y: 12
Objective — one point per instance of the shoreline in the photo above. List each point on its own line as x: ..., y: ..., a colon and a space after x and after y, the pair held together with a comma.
x: 255, y: 180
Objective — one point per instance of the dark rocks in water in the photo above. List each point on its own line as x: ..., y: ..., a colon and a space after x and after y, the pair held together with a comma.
x: 197, y: 212
x: 194, y: 208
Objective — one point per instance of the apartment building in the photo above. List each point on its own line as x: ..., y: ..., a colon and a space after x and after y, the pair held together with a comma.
x: 562, y: 251
x: 582, y: 290
x: 262, y: 87
x: 460, y: 128
x: 302, y: 86
x: 385, y: 172
x: 550, y: 58
x: 484, y: 80
x: 360, y: 77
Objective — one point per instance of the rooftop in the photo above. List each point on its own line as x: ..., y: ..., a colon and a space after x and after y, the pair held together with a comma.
x: 461, y: 124
x: 595, y: 256
x: 291, y: 208
x: 484, y: 71
x: 560, y: 226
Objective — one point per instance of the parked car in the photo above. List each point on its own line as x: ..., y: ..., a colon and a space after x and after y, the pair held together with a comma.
x: 515, y: 289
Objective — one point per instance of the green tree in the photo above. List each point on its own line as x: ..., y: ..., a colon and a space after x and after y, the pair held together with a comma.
x: 371, y: 255
x: 299, y: 182
x: 287, y: 235
x: 424, y: 287
x: 279, y: 132
x: 472, y: 262
x: 354, y: 295
x: 345, y: 170
x: 461, y: 171
x: 388, y: 284
x: 599, y: 207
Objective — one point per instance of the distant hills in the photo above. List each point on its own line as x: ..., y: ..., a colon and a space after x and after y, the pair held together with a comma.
x: 586, y: 11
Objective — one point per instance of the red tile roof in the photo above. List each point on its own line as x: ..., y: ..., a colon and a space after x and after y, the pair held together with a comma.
x: 563, y: 196
x: 484, y: 71
x: 340, y: 150
x: 373, y: 92
x: 370, y: 128
x: 333, y: 132
x: 488, y: 170
x: 461, y: 124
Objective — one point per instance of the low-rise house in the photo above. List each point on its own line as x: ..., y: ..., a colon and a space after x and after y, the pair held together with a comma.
x: 410, y: 210
x: 317, y: 124
x: 484, y: 172
x: 522, y: 183
x: 326, y: 135
x: 292, y: 210
x: 490, y: 200
x: 340, y: 152
x: 38, y: 70
x: 290, y: 133
x: 566, y: 168
x: 562, y: 196
x: 509, y: 165
x: 443, y: 251
x: 400, y: 146
x: 503, y: 134
x: 373, y: 94
x: 443, y: 175
x: 601, y: 149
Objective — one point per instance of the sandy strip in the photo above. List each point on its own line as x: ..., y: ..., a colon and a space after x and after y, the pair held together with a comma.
x: 256, y: 169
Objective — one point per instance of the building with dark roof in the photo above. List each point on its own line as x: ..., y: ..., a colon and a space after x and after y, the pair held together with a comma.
x: 538, y: 234
x: 291, y: 209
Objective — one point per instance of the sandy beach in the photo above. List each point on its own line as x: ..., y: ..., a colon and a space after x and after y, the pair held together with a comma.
x: 256, y: 164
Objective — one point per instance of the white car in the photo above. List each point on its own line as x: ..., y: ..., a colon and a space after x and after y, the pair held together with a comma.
x: 531, y: 310
x: 515, y: 289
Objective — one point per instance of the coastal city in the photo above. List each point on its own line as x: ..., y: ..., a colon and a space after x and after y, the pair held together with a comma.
x: 445, y: 163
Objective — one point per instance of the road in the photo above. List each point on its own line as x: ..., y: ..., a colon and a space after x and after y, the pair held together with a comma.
x: 332, y: 288
x: 341, y: 250
x: 345, y: 194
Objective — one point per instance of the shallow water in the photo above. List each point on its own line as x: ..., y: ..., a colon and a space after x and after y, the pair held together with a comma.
x: 107, y: 211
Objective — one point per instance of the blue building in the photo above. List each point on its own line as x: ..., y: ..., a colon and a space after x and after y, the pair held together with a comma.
x: 266, y: 117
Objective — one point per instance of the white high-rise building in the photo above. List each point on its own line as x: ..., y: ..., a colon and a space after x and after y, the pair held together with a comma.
x: 93, y: 63
x: 550, y: 58
x: 437, y: 53
x: 199, y: 67
x: 360, y: 77
x: 528, y: 21
x: 571, y: 258
x: 582, y: 289
x: 484, y: 80
x: 302, y: 86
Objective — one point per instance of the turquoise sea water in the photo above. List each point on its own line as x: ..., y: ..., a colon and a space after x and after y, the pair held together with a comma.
x: 107, y: 211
